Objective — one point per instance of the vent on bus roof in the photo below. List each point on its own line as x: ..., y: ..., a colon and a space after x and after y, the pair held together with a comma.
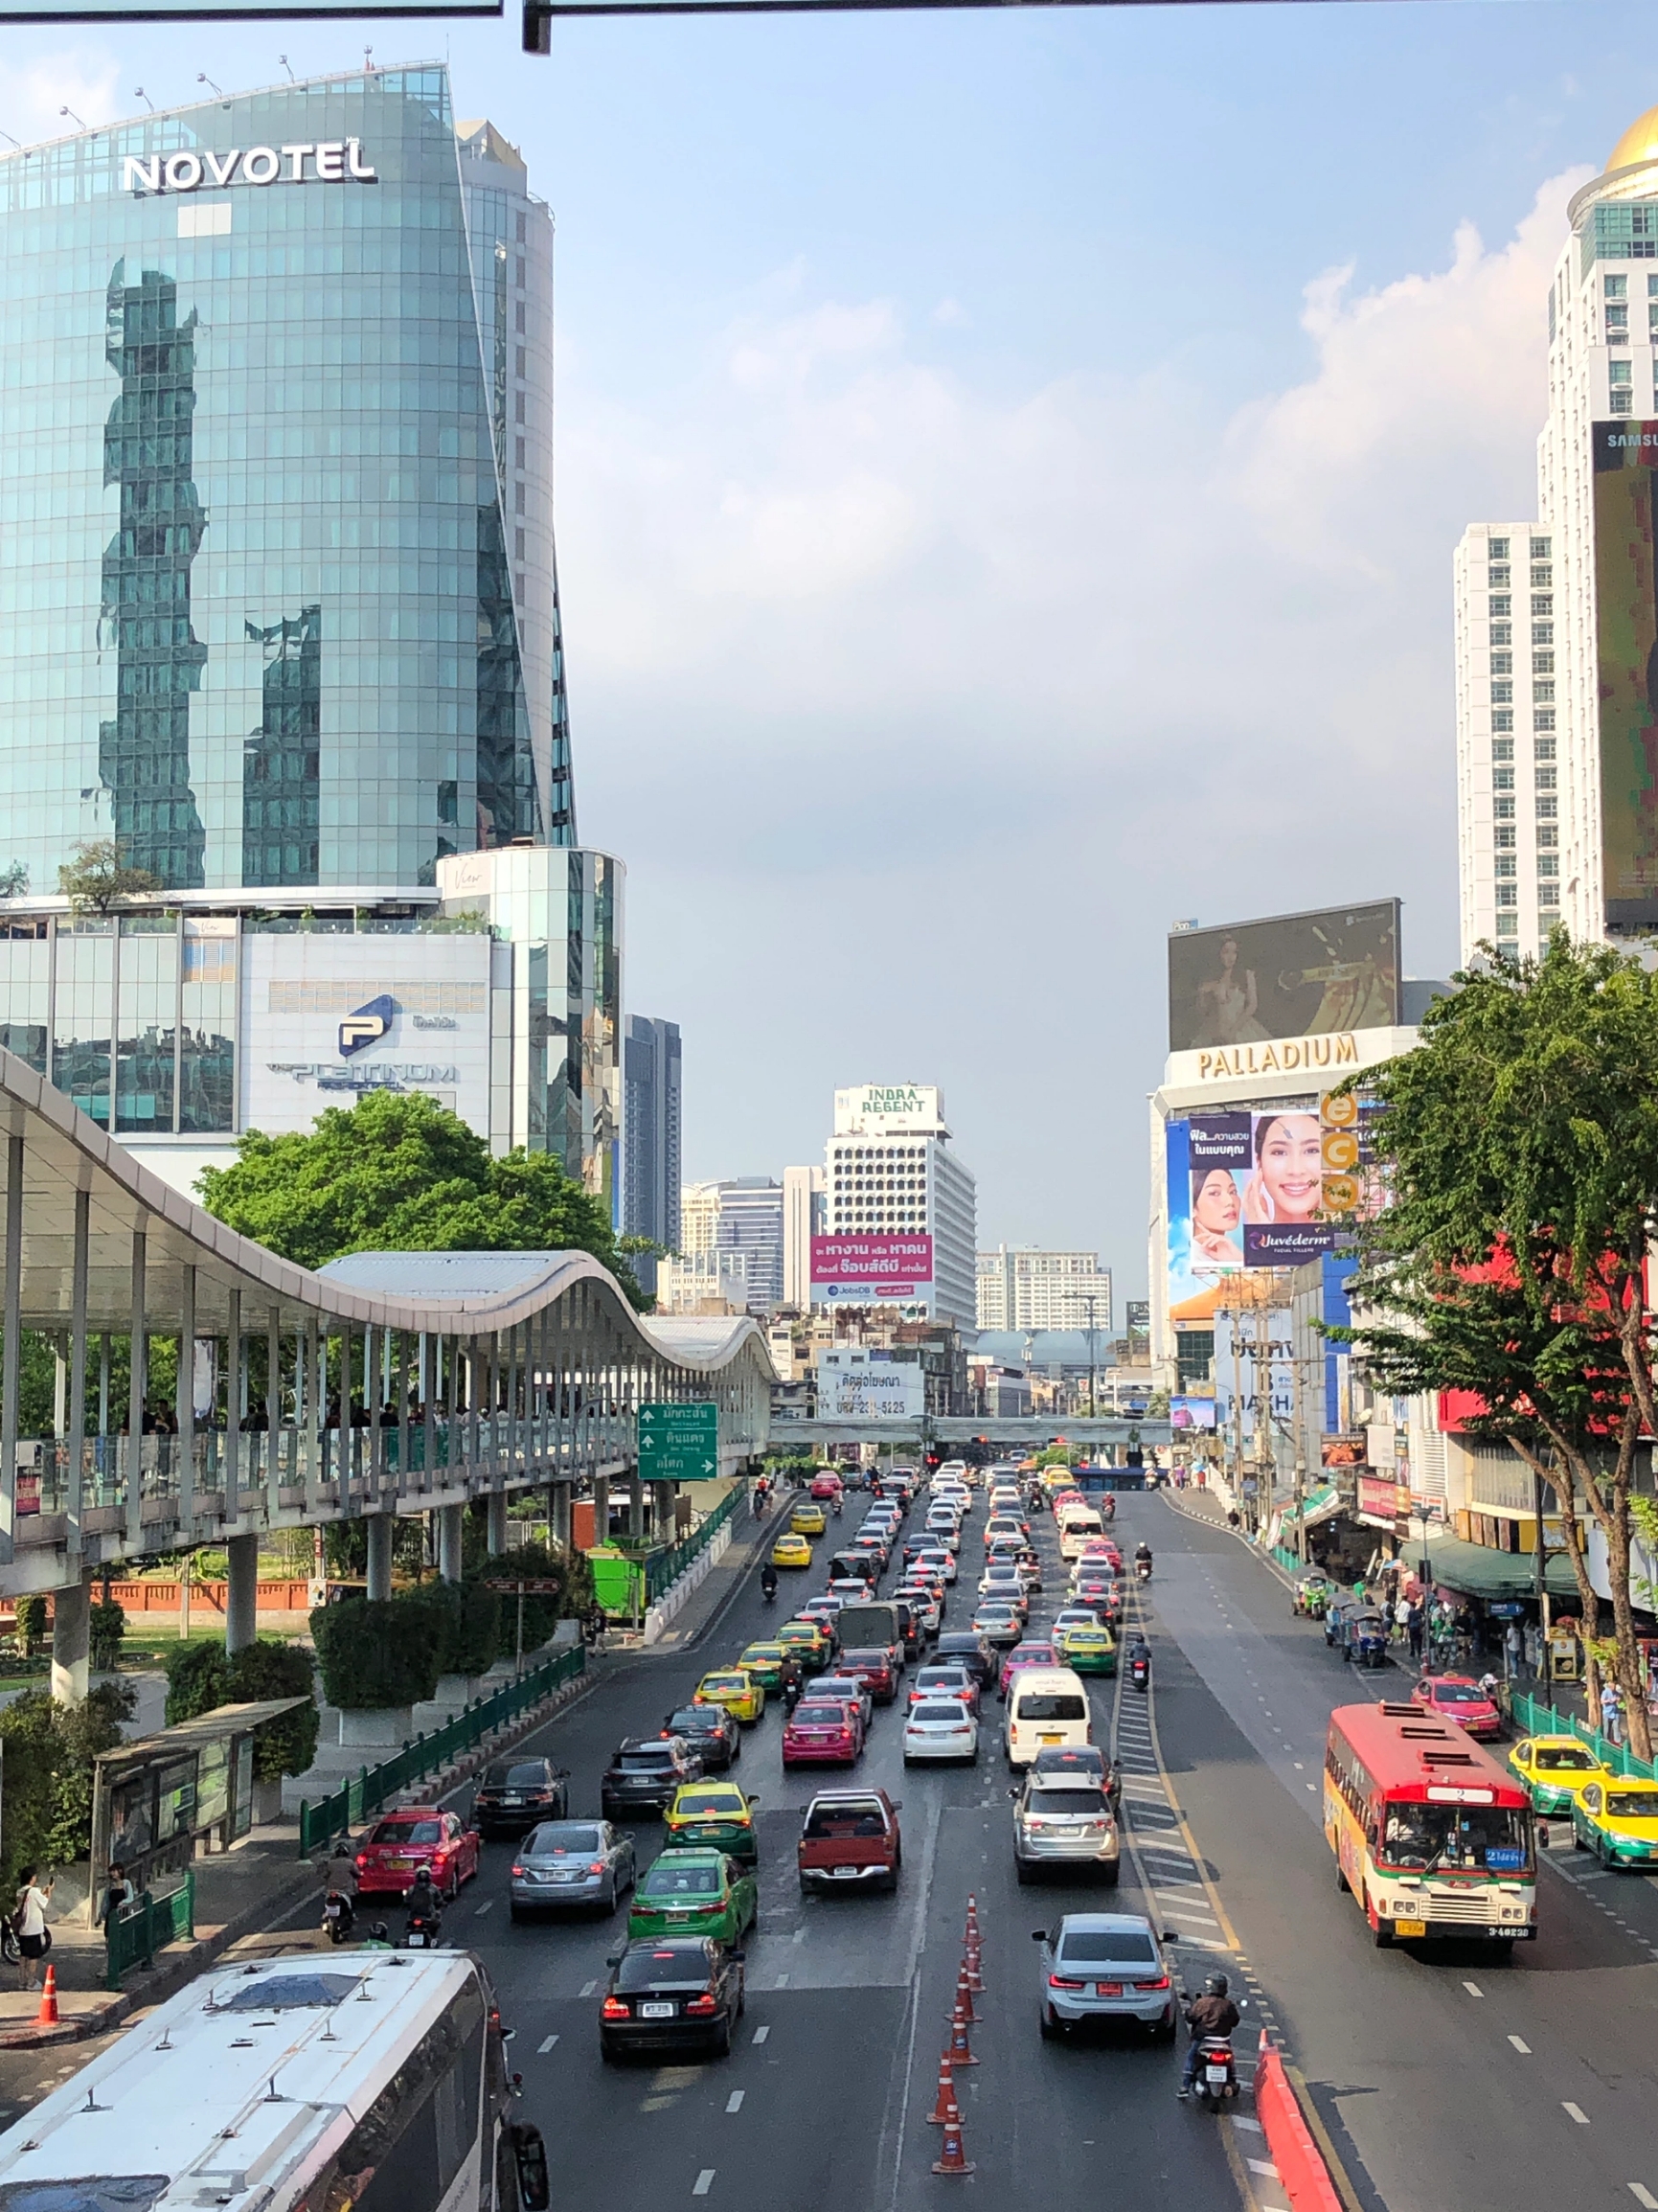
x: 1432, y: 1734
x: 1447, y: 1759
x: 1399, y: 1712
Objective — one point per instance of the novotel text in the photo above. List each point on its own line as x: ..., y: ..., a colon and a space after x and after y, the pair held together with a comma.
x: 336, y: 161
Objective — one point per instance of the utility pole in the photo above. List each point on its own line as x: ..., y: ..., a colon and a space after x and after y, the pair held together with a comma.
x: 1300, y: 1464
x: 1265, y: 1467
x: 1090, y: 1299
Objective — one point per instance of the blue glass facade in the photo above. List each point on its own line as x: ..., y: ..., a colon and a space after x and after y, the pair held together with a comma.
x: 278, y: 604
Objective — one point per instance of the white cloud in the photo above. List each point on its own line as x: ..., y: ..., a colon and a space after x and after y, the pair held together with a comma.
x: 85, y: 78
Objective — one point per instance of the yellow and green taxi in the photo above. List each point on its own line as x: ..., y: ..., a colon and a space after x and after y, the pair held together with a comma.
x: 766, y: 1663
x: 696, y: 1893
x: 714, y: 1815
x: 1088, y: 1651
x: 807, y: 1520
x: 792, y: 1551
x: 807, y: 1637
x: 1617, y: 1819
x: 1555, y: 1769
x: 735, y: 1689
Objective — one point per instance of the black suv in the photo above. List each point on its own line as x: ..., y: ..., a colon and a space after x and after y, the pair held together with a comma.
x: 712, y: 1733
x: 643, y: 1774
x: 515, y: 1793
x: 967, y: 1651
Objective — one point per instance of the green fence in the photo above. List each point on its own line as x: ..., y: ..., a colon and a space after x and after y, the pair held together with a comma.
x: 147, y: 1925
x: 323, y: 1818
x: 1533, y: 1718
x: 664, y: 1568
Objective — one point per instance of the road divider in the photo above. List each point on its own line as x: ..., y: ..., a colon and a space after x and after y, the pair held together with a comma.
x: 1302, y: 2171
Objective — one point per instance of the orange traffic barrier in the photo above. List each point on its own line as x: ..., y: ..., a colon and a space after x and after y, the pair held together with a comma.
x: 961, y: 2050
x: 945, y: 2111
x: 964, y: 1996
x: 953, y: 2158
x: 1306, y: 2180
x: 48, y: 2015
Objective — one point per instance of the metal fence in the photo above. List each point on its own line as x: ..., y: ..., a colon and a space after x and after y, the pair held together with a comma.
x: 323, y: 1818
x: 664, y: 1568
x: 1533, y: 1717
x: 146, y: 1926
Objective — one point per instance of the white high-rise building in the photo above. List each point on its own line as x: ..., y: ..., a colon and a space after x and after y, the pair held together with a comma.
x: 1027, y: 1289
x: 730, y: 1248
x: 1556, y: 619
x: 890, y: 1172
x: 804, y: 1214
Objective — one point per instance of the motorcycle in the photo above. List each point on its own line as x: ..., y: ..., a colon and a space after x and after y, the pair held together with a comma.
x: 1217, y: 2077
x: 1142, y: 1568
x: 835, y: 1507
x: 768, y: 1589
x: 339, y: 1916
x: 1140, y: 1670
x: 423, y: 1932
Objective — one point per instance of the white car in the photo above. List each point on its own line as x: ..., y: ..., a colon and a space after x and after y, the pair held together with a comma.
x: 941, y: 1556
x: 941, y: 1729
x: 946, y: 1528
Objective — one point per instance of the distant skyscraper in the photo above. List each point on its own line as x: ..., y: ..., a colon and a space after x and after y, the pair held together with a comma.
x: 1025, y: 1289
x: 804, y: 1215
x: 892, y: 1174
x: 650, y: 1167
x: 731, y: 1236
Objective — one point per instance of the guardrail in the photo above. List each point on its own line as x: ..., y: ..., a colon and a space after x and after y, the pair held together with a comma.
x: 146, y: 1926
x: 664, y: 1568
x: 323, y: 1818
x: 1535, y: 1719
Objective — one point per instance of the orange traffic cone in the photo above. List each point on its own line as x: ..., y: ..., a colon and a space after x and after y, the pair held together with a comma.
x: 971, y: 1966
x: 944, y: 2111
x: 953, y: 2160
x: 964, y: 1996
x: 973, y: 1918
x: 48, y: 2015
x: 961, y: 2050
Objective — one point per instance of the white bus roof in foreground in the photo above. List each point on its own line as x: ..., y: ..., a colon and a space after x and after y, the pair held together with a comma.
x: 240, y: 2081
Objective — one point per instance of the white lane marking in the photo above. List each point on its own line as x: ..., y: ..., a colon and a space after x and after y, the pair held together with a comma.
x: 1521, y: 2046
x: 587, y: 1989
x: 704, y: 2182
x: 782, y: 1981
x: 734, y: 2103
x: 1473, y: 1988
x: 1575, y: 2113
x: 479, y: 1910
x: 760, y: 2034
x: 543, y: 2048
x: 1644, y: 2195
x: 1262, y: 2166
x: 1239, y: 2121
x: 799, y: 1935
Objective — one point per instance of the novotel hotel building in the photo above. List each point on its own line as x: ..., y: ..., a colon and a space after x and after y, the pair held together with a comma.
x: 279, y: 618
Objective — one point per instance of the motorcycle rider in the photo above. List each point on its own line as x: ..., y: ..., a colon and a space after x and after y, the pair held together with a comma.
x: 768, y: 1581
x: 423, y: 1905
x: 1143, y: 1554
x: 1213, y: 2014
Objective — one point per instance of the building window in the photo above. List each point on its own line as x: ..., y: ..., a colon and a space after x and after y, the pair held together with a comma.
x: 1544, y: 749
x: 1498, y: 579
x: 1542, y: 576
x: 1542, y: 602
x: 1507, y: 925
x: 1623, y: 402
x: 1505, y: 840
x: 1508, y: 895
x: 1545, y: 779
x: 1502, y: 664
x: 1501, y: 634
x: 1502, y: 694
x: 1548, y: 864
x: 1548, y: 810
x: 1501, y: 809
x: 1502, y: 719
x: 1539, y: 549
x: 1543, y: 633
x: 1542, y: 664
x: 1498, y: 549
x: 1507, y: 866
x: 1617, y: 287
x: 1503, y: 749
x: 1543, y: 692
x: 1548, y: 836
x: 1502, y: 779
x: 1620, y: 372
x: 1502, y: 607
x: 1617, y: 326
x: 1543, y: 719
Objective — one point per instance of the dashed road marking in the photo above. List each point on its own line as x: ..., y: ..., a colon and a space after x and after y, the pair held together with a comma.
x: 704, y: 2182
x: 1473, y: 1988
x: 1644, y: 2195
x: 1521, y: 2046
x: 760, y: 2034
x: 479, y: 1910
x: 734, y: 2103
x: 543, y: 2048
x: 782, y: 1981
x: 587, y: 1989
x: 1575, y: 2113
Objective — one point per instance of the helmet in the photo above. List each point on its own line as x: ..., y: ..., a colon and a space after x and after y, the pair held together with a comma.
x: 1217, y: 1986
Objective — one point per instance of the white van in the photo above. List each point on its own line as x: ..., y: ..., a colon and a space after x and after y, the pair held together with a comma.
x: 1046, y: 1706
x: 1078, y: 1526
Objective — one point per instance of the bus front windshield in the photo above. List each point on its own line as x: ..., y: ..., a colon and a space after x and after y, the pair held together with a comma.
x: 1463, y: 1838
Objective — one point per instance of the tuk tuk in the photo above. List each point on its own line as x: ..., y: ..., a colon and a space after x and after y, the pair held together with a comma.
x: 1337, y: 1605
x: 1312, y: 1594
x: 1365, y: 1636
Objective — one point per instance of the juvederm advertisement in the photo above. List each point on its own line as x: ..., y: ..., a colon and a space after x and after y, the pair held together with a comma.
x: 1626, y: 603
x: 1294, y: 975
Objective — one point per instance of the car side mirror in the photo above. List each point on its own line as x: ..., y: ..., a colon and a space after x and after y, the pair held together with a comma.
x: 1169, y: 1936
x: 897, y: 1804
x: 1039, y: 1935
x: 563, y: 1773
x: 739, y: 1956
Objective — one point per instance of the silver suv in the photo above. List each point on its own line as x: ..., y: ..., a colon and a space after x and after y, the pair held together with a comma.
x: 1059, y: 1821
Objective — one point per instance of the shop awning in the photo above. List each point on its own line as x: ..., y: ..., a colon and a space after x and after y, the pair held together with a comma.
x: 1480, y: 1573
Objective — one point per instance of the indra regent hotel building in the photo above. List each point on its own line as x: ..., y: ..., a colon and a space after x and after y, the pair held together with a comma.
x: 1557, y: 616
x: 280, y: 617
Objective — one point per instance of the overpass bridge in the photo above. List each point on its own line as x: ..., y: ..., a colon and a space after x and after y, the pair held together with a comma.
x: 385, y: 1385
x: 1003, y: 1434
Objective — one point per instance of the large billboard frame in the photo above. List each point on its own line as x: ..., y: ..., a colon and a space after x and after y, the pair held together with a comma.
x: 1625, y: 528
x: 1345, y: 962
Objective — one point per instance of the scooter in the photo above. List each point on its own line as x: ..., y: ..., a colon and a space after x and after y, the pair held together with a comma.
x: 339, y: 1916
x: 423, y: 1932
x: 768, y: 1589
x: 1142, y: 1568
x: 1140, y: 1670
x: 1217, y: 2077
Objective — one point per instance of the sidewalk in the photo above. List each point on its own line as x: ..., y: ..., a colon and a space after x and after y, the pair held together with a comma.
x: 717, y: 1588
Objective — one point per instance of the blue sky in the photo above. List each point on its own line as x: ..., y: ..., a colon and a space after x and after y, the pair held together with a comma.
x: 1009, y: 464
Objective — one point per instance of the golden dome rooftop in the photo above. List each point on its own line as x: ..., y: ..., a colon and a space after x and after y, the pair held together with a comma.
x: 1639, y: 143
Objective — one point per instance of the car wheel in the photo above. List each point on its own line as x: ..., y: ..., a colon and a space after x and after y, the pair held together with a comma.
x: 722, y: 2040
x: 1164, y: 2031
x: 606, y: 2051
x: 1022, y: 1871
x: 1113, y: 1873
x: 1577, y: 1843
x: 1049, y: 2024
x: 609, y: 1903
x: 454, y: 1889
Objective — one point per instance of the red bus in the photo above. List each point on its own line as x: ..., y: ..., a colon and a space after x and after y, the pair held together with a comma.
x: 1431, y: 1835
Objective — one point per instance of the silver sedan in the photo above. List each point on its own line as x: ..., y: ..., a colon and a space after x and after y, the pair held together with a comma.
x: 1105, y: 1966
x: 565, y: 1862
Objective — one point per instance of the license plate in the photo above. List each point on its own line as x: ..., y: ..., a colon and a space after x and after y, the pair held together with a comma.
x: 678, y: 1919
x: 649, y: 2012
x: 417, y: 1940
x: 562, y: 1877
x: 846, y: 1873
x: 1410, y: 1928
x: 1049, y: 1738
x: 1107, y: 1989
x: 1216, y: 2075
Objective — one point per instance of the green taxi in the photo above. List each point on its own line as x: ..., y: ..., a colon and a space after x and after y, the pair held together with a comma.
x: 716, y: 1815
x: 766, y: 1662
x: 1088, y: 1651
x: 1617, y: 1819
x: 1554, y: 1769
x: 696, y: 1893
x: 808, y: 1637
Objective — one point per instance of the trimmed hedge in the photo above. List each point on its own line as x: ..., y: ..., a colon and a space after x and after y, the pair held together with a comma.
x: 202, y: 1676
x: 377, y: 1654
x: 469, y: 1622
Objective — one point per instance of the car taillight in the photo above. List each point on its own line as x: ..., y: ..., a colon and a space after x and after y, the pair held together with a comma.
x: 613, y: 2009
x: 517, y: 1874
x: 699, y: 2008
x: 595, y: 1866
x: 362, y: 1858
x: 1162, y: 1982
x: 1058, y: 1981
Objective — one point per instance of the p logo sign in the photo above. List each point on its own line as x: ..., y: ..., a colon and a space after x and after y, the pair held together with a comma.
x: 367, y: 1025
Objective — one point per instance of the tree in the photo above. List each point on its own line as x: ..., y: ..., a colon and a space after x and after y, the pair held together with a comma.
x: 99, y: 878
x: 1519, y: 1145
x: 398, y: 1173
x: 14, y: 880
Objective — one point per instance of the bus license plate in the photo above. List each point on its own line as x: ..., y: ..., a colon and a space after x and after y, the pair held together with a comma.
x: 1410, y: 1928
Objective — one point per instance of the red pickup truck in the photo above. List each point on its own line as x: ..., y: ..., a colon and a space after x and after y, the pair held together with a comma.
x: 851, y: 1838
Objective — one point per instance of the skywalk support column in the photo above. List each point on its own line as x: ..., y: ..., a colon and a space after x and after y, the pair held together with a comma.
x: 379, y: 1528
x: 72, y: 1641
x: 451, y: 1522
x: 241, y: 1593
x: 497, y: 1504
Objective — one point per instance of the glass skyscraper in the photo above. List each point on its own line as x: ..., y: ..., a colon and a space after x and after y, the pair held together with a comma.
x: 276, y: 563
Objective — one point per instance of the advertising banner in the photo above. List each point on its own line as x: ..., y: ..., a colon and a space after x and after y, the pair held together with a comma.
x: 872, y: 1270
x: 1342, y: 1452
x: 1192, y: 1413
x: 1626, y: 648
x: 1292, y: 976
x: 1237, y: 1339
x: 869, y: 1385
x: 1377, y: 1500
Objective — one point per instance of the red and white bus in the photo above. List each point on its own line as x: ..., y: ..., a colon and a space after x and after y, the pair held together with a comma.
x: 1431, y: 1835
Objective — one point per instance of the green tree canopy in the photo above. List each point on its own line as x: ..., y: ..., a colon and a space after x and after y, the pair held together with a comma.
x: 398, y: 1173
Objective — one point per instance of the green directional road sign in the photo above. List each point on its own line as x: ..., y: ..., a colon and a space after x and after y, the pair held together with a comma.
x: 679, y: 1442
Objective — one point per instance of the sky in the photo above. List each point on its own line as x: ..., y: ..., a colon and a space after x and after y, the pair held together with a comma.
x: 1008, y: 468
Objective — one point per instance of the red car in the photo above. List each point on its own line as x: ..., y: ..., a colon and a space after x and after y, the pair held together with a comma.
x: 820, y: 1734
x: 877, y: 1666
x: 1029, y: 1654
x: 403, y: 1842
x: 850, y: 1837
x: 826, y: 1487
x: 1458, y: 1698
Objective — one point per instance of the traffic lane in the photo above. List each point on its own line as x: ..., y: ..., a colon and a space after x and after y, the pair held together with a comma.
x: 1419, y: 2078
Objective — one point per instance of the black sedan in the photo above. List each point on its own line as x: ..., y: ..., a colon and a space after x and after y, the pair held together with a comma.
x: 671, y: 1993
x: 515, y: 1793
x: 970, y: 1651
x: 712, y: 1733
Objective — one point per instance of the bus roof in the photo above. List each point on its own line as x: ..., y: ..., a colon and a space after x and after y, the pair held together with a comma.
x: 233, y: 2083
x: 1415, y: 1756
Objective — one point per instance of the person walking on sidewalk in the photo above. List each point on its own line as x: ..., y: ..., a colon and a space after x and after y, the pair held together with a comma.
x: 1611, y: 1707
x: 1416, y: 1627
x: 1401, y: 1625
x: 34, y: 1936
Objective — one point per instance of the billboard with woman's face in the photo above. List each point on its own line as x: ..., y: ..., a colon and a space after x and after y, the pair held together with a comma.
x: 1295, y: 975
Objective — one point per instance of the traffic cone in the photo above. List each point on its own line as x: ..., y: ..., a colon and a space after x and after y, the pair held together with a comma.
x: 953, y: 2158
x: 964, y: 1996
x: 961, y: 2050
x: 944, y: 2111
x: 970, y: 1966
x: 48, y: 2015
x: 973, y: 1918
